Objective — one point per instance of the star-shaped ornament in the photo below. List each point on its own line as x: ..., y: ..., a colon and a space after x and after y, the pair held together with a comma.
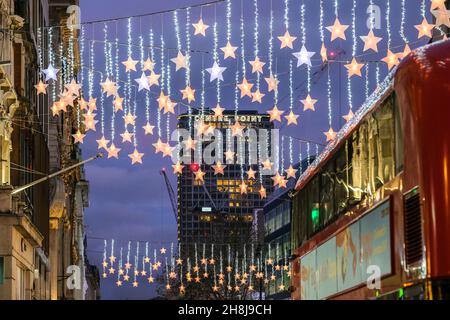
x: 178, y: 168
x: 354, y: 68
x: 188, y: 94
x: 308, y: 103
x: 349, y: 116
x: 50, y: 73
x: 290, y: 172
x: 303, y: 57
x: 251, y: 174
x: 143, y: 82
x: 229, y: 156
x: 126, y: 136
x: 291, y: 118
x: 78, y: 137
x: 148, y: 65
x: 405, y: 53
x: 218, y: 111
x: 130, y: 64
x: 129, y: 119
x: 148, y: 129
x: 159, y: 145
x: 109, y: 87
x: 190, y: 143
x: 425, y: 29
x: 257, y: 96
x: 218, y: 168
x: 41, y: 87
x: 391, y: 59
x: 118, y: 104
x: 245, y: 88
x: 73, y: 88
x: 200, y: 28
x: 216, y: 72
x: 286, y: 40
x: 162, y: 100
x: 102, y: 143
x: 136, y: 157
x: 229, y: 51
x: 442, y: 17
x: 437, y: 4
x: 180, y: 61
x: 113, y: 151
x: 243, y: 188
x: 267, y: 165
x: 257, y: 65
x: 237, y: 129
x: 324, y: 53
x: 199, y: 175
x: 371, y: 41
x: 272, y: 83
x: 330, y: 134
x: 337, y: 30
x: 275, y: 114
x: 153, y: 79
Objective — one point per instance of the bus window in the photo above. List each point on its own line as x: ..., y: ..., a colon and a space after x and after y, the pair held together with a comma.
x: 398, y: 138
x: 343, y: 191
x: 327, y: 183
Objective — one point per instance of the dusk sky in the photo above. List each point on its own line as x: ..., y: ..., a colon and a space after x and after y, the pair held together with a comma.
x: 131, y: 202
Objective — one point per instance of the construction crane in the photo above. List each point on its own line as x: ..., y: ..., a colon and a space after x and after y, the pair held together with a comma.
x: 173, y: 201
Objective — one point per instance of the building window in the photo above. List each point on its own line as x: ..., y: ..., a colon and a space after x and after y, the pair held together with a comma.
x: 20, y: 284
x: 2, y: 268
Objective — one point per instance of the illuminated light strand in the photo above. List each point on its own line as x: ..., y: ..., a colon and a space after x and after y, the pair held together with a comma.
x: 228, y: 17
x: 291, y: 89
x: 300, y: 157
x: 51, y: 59
x: 102, y: 99
x: 153, y: 57
x: 282, y: 155
x: 188, y: 58
x: 329, y: 98
x: 271, y: 38
x: 81, y: 71
x: 377, y: 74
x: 215, y: 56
x: 336, y: 8
x: 117, y: 74
x: 147, y: 94
x: 422, y: 9
x: 105, y: 245
x: 91, y: 69
x: 291, y: 151
x: 308, y: 153
x: 242, y: 25
x: 388, y: 23
x: 403, y: 20
x: 303, y: 29
x: 354, y: 47
x: 286, y: 14
x: 256, y: 38
x: 321, y: 16
x: 128, y: 83
x: 366, y: 81
x: 128, y: 256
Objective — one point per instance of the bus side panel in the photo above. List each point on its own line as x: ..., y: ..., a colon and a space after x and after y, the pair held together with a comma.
x: 422, y: 84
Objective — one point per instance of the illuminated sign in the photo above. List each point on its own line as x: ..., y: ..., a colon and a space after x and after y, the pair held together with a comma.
x: 230, y: 118
x: 206, y: 209
x: 342, y: 262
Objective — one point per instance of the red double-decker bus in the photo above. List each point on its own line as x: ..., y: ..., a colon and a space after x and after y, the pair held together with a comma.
x: 371, y: 216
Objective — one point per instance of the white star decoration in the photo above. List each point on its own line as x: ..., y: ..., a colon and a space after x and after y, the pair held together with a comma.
x: 303, y: 57
x: 216, y: 72
x: 50, y: 73
x: 143, y: 82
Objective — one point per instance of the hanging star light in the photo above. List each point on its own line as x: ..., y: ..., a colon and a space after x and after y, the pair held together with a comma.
x: 55, y: 109
x: 190, y: 143
x: 237, y: 129
x: 243, y: 188
x: 437, y: 4
x: 282, y: 183
x: 41, y: 87
x: 324, y: 53
x: 290, y: 172
x: 286, y: 40
x: 405, y: 53
x: 180, y: 61
x: 330, y: 134
x: 245, y: 88
x: 143, y: 273
x: 267, y: 165
x: 148, y: 65
x: 102, y: 143
x: 218, y: 168
x: 199, y: 175
x: 251, y: 174
x: 216, y: 72
x: 425, y: 29
x: 92, y: 104
x: 354, y: 68
x: 148, y: 129
x: 371, y: 41
x: 130, y: 64
x: 337, y: 30
x: 73, y: 88
x: 162, y: 100
x: 275, y: 114
x: 188, y: 94
x: 143, y: 82
x: 304, y: 57
x: 113, y: 151
x: 50, y: 73
x: 257, y: 96
x: 78, y: 137
x: 291, y: 118
x: 257, y: 65
x: 129, y: 119
x: 218, y: 111
x: 229, y: 51
x: 112, y: 270
x: 391, y: 59
x: 349, y: 116
x: 229, y: 156
x: 153, y: 79
x: 159, y: 145
x: 442, y: 17
x: 109, y: 87
x: 308, y: 103
x: 82, y: 104
x: 201, y: 127
x: 178, y: 168
x: 118, y: 104
x: 200, y: 28
x: 163, y: 250
x: 276, y: 179
x: 126, y: 277
x: 170, y: 106
x: 126, y: 136
x: 167, y: 150
x: 272, y: 83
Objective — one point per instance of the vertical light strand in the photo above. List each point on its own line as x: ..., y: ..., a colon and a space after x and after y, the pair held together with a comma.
x: 243, y: 39
x: 256, y: 38
x: 388, y: 23
x: 163, y: 71
x: 330, y: 115
x: 300, y: 157
x: 402, y: 22
x: 128, y: 84
x: 102, y: 98
x: 116, y: 76
x: 215, y: 56
x: 422, y: 9
x: 303, y: 30
x: 282, y: 155
x: 188, y: 58
x: 349, y: 79
x: 286, y: 14
x: 321, y: 16
x: 147, y: 93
